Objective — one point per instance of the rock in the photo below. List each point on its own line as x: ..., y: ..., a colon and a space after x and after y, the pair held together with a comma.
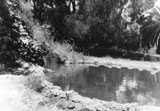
x: 71, y: 106
x: 76, y: 98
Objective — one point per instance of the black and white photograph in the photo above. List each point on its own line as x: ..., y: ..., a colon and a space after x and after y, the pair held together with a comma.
x: 79, y: 55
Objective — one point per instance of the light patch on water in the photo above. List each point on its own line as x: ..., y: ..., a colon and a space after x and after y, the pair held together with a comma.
x: 122, y: 89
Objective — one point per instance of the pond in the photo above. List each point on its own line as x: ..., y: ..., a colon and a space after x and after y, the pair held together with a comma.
x: 121, y: 85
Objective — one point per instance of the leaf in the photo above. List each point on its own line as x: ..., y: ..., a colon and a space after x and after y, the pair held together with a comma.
x: 7, y: 39
x: 3, y: 47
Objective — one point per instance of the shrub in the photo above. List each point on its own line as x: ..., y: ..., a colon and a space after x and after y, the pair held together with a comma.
x: 34, y: 82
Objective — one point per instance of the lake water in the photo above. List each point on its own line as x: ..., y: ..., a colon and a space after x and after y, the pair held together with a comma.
x: 110, y: 84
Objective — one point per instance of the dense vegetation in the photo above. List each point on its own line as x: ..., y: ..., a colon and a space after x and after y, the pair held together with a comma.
x: 13, y: 31
x: 93, y: 27
x: 8, y: 35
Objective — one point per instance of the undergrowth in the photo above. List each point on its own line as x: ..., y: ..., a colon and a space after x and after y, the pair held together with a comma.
x: 66, y: 51
x: 57, y: 52
x: 34, y: 82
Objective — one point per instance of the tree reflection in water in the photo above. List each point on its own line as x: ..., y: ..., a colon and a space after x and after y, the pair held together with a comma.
x: 112, y: 84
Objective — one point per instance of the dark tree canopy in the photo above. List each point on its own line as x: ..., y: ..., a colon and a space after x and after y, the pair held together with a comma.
x: 92, y: 24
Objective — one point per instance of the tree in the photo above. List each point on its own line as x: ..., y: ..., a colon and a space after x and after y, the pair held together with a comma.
x: 94, y: 23
x: 52, y: 12
x: 8, y: 36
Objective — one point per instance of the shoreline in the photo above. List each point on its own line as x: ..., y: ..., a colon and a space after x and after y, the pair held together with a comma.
x: 152, y: 66
x: 72, y: 101
x: 37, y: 92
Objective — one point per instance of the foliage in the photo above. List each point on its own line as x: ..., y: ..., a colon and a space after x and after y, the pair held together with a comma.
x: 107, y: 24
x: 8, y: 36
x: 66, y: 52
x: 15, y: 25
x: 89, y: 24
x: 101, y: 25
x: 52, y: 12
x: 150, y: 28
x: 34, y: 82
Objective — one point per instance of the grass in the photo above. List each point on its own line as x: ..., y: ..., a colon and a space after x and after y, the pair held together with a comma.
x: 34, y: 82
x: 65, y: 50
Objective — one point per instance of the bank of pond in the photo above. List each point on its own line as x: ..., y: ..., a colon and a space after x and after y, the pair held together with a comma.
x: 122, y: 85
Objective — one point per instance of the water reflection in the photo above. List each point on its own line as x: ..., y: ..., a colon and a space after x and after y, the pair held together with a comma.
x: 111, y: 84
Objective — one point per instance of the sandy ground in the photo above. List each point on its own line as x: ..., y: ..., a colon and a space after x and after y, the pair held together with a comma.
x: 11, y: 91
x: 15, y: 96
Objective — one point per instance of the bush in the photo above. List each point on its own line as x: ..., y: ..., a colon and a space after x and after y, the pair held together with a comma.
x: 34, y: 82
